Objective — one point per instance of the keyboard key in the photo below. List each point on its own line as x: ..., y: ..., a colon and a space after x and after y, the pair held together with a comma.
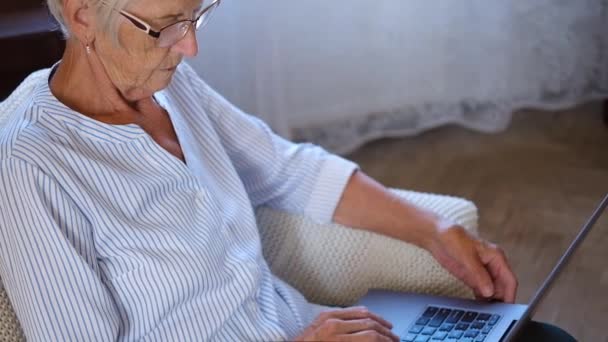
x: 423, y: 320
x: 439, y: 318
x: 481, y: 338
x: 430, y: 312
x: 446, y: 327
x: 477, y: 325
x: 408, y: 338
x: 466, y: 339
x: 416, y: 329
x: 493, y: 319
x: 428, y: 331
x: 422, y: 338
x: 456, y: 334
x: 469, y: 316
x: 454, y: 316
x: 484, y: 316
x: 486, y: 329
x: 471, y: 333
x: 439, y: 336
x: 461, y: 326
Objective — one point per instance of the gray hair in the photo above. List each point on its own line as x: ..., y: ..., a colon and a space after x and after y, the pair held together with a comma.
x: 105, y: 10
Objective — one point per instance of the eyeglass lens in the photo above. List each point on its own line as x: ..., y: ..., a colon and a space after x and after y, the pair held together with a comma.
x: 176, y: 32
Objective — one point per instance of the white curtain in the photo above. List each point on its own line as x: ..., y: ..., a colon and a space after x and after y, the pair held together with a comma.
x: 343, y: 72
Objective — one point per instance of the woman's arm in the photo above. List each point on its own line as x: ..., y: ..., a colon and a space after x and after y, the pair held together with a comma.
x: 48, y: 264
x: 366, y: 204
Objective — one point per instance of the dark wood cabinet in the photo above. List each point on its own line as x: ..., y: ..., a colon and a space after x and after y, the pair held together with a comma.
x: 20, y: 5
x: 29, y: 40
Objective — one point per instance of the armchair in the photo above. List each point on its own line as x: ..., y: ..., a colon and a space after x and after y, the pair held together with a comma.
x: 330, y: 264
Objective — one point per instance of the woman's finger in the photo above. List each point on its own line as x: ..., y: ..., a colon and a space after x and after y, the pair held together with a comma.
x: 365, y: 336
x: 504, y: 278
x: 351, y: 327
x: 478, y: 277
x: 356, y: 312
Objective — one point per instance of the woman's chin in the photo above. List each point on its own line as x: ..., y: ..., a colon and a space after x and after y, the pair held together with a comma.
x: 159, y: 81
x: 162, y: 80
x: 168, y: 73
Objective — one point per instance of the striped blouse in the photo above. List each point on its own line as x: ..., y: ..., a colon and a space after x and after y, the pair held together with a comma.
x: 106, y: 236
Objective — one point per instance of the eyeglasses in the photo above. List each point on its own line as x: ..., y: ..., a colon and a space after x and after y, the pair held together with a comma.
x: 172, y: 34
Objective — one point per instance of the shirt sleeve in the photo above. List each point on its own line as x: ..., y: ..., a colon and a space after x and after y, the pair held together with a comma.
x: 48, y: 262
x: 298, y: 178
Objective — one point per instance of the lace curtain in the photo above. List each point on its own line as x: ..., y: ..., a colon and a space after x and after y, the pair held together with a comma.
x: 343, y: 72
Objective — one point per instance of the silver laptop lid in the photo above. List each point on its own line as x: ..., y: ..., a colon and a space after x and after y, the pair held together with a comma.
x: 550, y: 280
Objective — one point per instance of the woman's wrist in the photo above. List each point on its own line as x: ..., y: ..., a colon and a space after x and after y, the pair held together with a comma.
x: 440, y: 226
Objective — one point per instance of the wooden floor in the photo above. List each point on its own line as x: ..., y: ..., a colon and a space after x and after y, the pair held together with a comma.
x: 535, y: 185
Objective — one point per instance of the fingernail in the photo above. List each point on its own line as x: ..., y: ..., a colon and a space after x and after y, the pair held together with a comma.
x: 487, y: 291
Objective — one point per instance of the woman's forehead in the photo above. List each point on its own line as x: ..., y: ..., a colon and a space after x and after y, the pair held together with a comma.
x: 164, y: 8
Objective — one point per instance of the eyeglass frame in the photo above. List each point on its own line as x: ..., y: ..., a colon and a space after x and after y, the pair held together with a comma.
x: 147, y: 28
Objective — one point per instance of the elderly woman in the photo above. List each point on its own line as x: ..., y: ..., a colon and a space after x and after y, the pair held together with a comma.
x: 128, y: 188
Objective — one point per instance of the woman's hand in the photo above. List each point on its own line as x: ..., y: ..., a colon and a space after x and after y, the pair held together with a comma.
x: 478, y: 263
x: 349, y: 324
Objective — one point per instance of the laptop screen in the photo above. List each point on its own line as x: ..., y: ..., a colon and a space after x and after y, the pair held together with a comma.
x: 557, y: 269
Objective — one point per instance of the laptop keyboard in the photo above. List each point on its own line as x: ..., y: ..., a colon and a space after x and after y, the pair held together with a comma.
x: 450, y: 325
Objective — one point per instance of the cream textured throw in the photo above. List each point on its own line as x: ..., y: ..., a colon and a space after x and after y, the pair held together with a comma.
x: 336, y: 265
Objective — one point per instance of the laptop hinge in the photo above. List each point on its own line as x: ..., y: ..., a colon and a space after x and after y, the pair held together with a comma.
x: 508, y: 330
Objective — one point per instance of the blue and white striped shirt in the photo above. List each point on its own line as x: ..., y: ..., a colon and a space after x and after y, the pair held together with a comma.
x: 106, y: 236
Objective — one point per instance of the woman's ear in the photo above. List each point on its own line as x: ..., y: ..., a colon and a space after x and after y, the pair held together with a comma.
x: 79, y: 17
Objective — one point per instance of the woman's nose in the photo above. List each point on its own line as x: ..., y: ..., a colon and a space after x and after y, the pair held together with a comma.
x: 188, y: 46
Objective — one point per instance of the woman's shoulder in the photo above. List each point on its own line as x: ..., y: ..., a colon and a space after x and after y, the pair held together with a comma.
x: 22, y: 97
x: 18, y: 117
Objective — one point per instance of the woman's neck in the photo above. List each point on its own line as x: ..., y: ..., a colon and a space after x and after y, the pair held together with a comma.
x: 76, y: 85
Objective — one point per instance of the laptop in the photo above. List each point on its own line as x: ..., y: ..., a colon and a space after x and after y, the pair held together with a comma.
x: 423, y: 318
